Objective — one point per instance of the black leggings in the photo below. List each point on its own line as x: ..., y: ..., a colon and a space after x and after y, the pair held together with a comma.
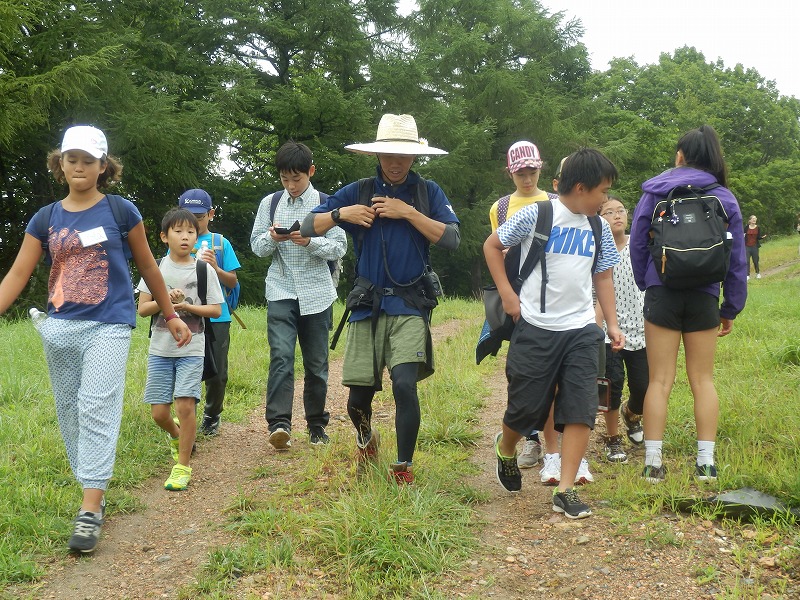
x: 407, y: 413
x: 752, y: 253
x: 635, y: 363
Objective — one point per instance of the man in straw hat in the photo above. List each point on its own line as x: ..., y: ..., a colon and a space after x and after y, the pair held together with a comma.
x: 393, y: 218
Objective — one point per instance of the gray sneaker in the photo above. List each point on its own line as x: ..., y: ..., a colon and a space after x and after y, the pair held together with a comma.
x: 87, y: 532
x: 568, y: 503
x: 531, y: 454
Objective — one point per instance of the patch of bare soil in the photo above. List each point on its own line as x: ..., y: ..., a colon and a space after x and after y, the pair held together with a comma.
x: 526, y: 549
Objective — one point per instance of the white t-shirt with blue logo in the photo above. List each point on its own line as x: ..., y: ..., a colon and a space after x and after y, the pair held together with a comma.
x: 569, y: 256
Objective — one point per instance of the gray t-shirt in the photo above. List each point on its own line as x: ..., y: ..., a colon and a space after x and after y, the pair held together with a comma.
x: 184, y: 277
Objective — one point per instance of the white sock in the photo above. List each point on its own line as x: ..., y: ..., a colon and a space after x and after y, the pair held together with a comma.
x: 705, y: 452
x: 652, y: 452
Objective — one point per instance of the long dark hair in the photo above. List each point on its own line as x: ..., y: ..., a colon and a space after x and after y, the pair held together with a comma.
x: 701, y: 149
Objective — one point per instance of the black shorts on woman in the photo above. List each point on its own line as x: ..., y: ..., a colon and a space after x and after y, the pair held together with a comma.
x: 538, y: 361
x: 686, y: 311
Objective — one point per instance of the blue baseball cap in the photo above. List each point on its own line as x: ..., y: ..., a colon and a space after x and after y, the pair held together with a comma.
x: 197, y: 201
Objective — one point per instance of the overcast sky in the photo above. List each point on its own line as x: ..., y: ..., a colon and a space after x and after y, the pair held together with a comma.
x: 762, y: 34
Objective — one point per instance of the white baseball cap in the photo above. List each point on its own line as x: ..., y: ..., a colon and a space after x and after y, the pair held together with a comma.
x: 87, y: 138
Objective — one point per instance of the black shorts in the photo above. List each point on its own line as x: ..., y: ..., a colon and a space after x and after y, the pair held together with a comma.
x: 681, y: 310
x: 538, y: 361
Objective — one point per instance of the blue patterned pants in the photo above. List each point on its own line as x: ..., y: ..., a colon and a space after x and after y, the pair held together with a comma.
x: 87, y: 362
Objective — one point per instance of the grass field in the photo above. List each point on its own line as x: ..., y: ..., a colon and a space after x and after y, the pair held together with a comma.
x: 758, y: 380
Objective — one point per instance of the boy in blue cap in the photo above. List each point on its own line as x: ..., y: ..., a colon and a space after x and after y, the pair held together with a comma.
x: 222, y: 258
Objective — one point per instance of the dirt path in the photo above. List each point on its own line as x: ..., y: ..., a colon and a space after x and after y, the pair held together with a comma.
x: 526, y: 549
x: 781, y: 267
x: 529, y: 550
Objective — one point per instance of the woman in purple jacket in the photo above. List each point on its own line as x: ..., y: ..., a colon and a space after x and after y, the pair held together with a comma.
x: 694, y: 315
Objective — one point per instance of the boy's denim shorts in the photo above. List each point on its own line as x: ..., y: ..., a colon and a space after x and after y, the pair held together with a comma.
x: 170, y: 377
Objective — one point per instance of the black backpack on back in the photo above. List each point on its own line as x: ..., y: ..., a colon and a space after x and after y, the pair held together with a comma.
x: 689, y: 239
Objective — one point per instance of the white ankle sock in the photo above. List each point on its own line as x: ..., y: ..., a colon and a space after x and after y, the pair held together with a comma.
x: 705, y: 452
x: 652, y: 452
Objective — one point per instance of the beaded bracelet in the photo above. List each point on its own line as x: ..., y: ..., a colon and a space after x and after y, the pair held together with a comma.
x: 170, y: 317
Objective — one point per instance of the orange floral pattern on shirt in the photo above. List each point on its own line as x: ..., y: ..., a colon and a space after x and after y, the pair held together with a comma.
x: 78, y: 275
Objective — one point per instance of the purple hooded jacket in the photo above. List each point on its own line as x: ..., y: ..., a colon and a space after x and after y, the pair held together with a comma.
x: 644, y: 271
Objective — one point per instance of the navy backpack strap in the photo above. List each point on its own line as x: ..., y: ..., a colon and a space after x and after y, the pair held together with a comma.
x: 502, y: 209
x: 273, y: 204
x: 43, y: 231
x: 118, y: 210
x: 421, y: 202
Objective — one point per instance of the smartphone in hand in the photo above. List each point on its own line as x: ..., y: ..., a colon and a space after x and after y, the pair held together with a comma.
x: 286, y: 230
x: 603, y: 394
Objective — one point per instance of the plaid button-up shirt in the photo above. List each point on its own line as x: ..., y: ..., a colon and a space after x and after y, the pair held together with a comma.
x: 297, y: 272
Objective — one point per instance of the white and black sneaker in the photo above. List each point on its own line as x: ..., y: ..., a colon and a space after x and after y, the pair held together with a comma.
x: 280, y: 439
x: 613, y: 449
x: 86, y: 533
x: 633, y: 425
x: 567, y: 502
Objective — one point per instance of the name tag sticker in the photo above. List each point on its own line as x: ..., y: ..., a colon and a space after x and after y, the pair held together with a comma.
x: 92, y: 237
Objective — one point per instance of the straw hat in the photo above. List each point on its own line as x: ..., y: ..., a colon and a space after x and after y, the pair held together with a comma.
x: 397, y: 134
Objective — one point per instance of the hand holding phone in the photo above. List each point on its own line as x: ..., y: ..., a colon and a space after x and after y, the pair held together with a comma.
x: 287, y: 230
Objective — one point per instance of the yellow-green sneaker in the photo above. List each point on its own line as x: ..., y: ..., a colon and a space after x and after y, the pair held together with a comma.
x: 179, y: 478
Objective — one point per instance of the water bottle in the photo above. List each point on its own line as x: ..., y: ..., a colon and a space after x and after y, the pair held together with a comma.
x: 37, y: 317
x: 203, y: 249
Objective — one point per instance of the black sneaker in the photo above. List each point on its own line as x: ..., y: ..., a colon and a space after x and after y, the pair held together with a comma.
x: 508, y: 473
x: 705, y: 472
x: 654, y: 474
x: 317, y: 436
x: 86, y: 533
x: 210, y: 425
x: 567, y: 502
x: 633, y: 425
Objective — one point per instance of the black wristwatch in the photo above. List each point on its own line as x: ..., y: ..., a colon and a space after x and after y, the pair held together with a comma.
x: 336, y: 216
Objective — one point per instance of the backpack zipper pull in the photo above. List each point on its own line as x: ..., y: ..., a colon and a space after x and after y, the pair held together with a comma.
x: 663, y: 260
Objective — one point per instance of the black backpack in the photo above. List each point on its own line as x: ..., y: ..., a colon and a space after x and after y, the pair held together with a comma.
x: 334, y: 266
x: 689, y: 239
x: 117, y: 208
x: 512, y: 260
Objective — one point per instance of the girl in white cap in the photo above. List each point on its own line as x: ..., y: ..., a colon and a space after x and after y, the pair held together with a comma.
x: 89, y: 237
